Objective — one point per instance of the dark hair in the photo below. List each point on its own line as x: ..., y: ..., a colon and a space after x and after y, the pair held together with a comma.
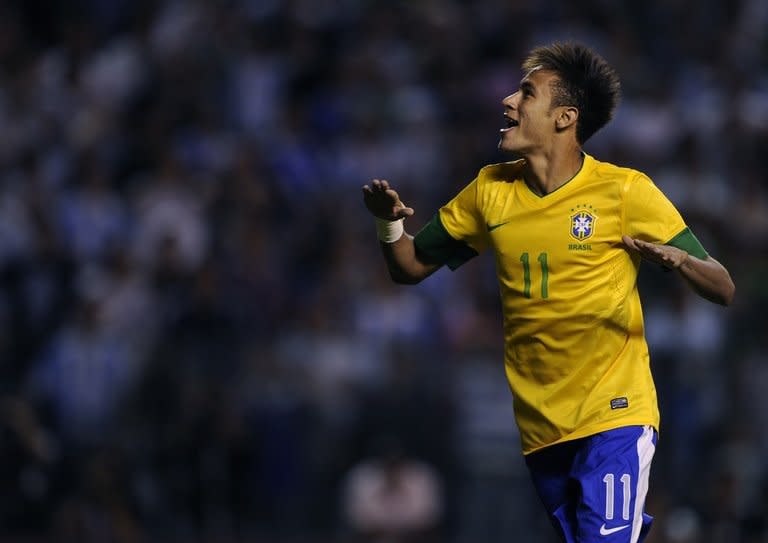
x: 584, y: 80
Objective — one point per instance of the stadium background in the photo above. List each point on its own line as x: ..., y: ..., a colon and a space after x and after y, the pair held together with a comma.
x: 198, y: 338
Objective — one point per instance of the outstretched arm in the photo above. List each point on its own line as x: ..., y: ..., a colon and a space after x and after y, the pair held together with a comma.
x: 707, y: 277
x: 404, y: 262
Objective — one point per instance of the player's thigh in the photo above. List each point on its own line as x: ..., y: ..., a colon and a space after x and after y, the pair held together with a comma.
x: 550, y: 471
x: 612, y: 471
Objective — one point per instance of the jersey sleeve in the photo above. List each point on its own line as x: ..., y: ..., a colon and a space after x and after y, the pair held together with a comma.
x: 457, y: 232
x: 688, y: 242
x: 650, y: 216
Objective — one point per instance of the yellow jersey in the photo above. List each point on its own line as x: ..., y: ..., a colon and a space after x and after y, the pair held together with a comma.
x: 575, y: 352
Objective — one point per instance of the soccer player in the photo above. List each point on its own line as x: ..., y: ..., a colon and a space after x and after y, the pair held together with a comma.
x: 568, y: 233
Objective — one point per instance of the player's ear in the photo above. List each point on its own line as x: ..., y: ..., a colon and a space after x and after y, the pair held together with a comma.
x: 566, y: 117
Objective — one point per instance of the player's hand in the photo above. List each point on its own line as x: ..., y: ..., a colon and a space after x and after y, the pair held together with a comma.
x: 664, y: 255
x: 383, y: 202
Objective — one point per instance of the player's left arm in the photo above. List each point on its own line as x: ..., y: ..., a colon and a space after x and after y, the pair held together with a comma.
x: 708, y: 278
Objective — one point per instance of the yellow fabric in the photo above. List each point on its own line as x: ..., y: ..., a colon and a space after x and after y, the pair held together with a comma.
x: 567, y: 355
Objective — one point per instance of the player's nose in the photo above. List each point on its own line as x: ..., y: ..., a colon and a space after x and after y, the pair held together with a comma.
x: 510, y: 101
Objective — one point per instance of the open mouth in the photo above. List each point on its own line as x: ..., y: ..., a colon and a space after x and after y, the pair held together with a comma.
x: 511, y: 123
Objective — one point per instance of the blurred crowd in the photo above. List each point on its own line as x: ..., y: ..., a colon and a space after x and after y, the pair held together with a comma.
x: 199, y: 340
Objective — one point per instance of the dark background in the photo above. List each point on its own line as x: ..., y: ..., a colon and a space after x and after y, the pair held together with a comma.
x: 197, y: 333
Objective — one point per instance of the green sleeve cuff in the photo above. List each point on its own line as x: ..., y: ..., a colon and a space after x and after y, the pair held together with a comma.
x: 686, y: 241
x: 436, y: 244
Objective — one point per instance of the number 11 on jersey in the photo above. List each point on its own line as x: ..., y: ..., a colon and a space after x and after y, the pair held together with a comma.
x: 542, y: 258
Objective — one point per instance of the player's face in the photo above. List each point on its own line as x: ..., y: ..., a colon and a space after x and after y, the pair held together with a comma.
x: 530, y: 119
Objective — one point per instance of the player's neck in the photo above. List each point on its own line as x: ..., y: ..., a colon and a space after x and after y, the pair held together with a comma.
x: 547, y: 172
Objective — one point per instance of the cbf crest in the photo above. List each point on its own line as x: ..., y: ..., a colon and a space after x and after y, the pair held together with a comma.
x: 583, y: 220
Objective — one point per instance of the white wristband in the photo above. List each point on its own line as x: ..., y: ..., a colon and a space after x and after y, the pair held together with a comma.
x: 389, y: 231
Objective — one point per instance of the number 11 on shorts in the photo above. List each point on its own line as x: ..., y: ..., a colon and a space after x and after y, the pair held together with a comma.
x: 609, y: 495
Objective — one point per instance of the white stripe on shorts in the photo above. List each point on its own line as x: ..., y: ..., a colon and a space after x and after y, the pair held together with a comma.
x: 645, y: 450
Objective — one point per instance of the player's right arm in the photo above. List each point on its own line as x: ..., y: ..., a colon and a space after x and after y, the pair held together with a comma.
x: 405, y: 263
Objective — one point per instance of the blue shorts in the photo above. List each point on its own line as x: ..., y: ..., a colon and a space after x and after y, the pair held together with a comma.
x: 594, y: 488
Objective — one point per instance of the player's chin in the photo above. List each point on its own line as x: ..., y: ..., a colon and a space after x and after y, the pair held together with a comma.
x: 506, y: 145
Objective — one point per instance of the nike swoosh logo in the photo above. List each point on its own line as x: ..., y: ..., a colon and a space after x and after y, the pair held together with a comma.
x: 609, y: 531
x: 492, y: 227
